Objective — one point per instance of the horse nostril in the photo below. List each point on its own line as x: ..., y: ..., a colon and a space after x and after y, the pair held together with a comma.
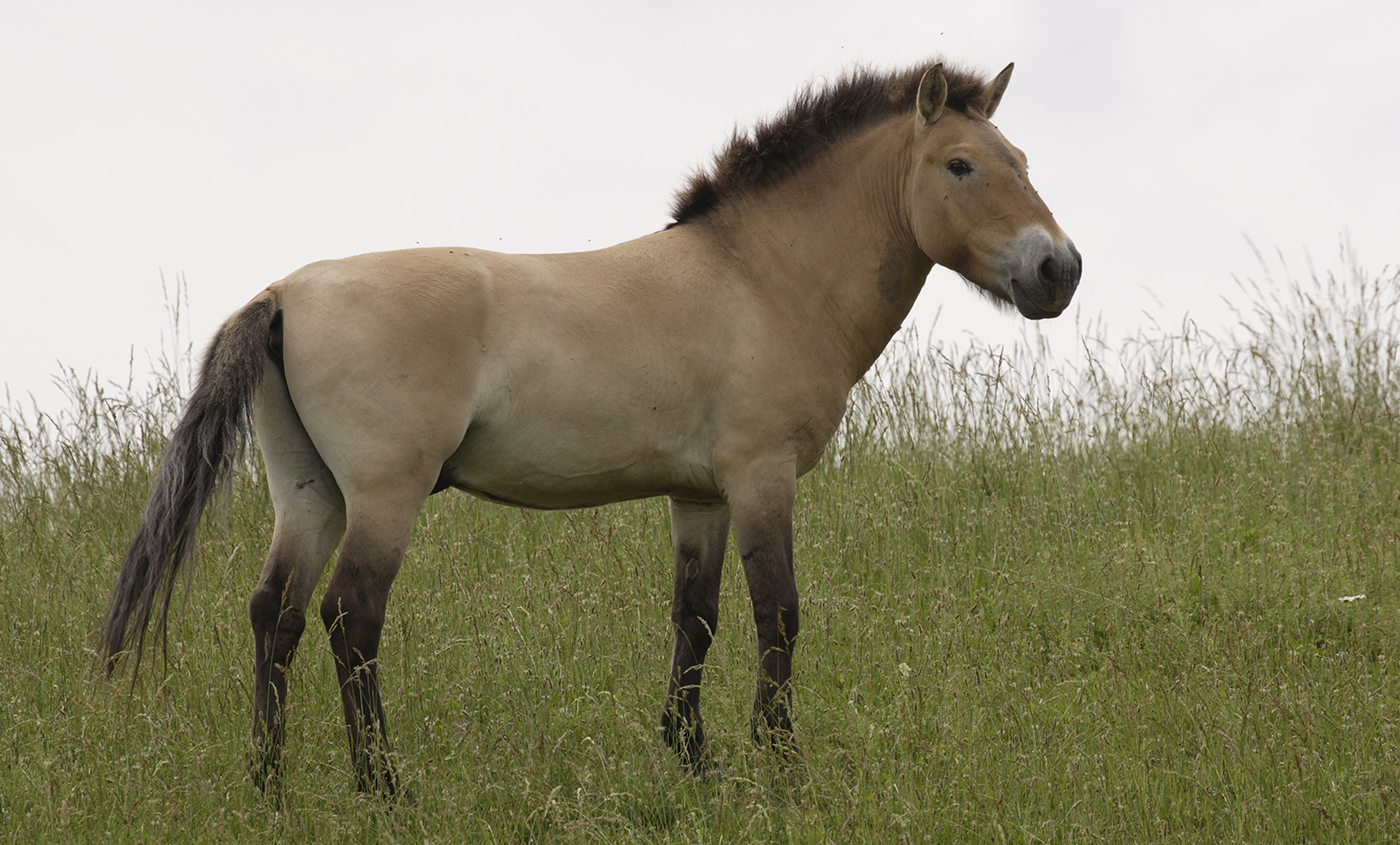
x: 1055, y: 272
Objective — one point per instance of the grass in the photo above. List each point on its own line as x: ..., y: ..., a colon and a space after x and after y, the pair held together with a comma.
x: 1041, y: 604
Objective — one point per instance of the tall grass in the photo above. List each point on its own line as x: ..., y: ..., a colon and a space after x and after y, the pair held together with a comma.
x: 1049, y: 596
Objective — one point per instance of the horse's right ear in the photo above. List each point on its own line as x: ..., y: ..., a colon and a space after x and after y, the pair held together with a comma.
x: 933, y: 95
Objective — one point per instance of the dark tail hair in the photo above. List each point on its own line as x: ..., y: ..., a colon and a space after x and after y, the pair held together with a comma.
x: 207, y: 442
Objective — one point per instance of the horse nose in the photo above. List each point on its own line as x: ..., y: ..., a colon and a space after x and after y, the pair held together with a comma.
x: 1059, y: 272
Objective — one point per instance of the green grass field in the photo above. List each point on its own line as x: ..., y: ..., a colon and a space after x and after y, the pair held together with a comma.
x: 1042, y: 603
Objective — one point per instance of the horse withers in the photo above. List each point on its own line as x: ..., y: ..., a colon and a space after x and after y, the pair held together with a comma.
x: 709, y: 362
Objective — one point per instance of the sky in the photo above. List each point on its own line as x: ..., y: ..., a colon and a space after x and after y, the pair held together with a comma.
x: 227, y: 144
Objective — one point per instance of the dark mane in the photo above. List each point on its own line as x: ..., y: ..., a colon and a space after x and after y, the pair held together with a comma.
x: 813, y: 122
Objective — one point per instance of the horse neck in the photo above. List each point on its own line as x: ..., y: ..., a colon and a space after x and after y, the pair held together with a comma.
x: 834, y: 240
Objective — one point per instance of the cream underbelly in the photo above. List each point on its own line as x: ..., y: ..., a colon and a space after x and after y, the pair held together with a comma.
x: 551, y: 472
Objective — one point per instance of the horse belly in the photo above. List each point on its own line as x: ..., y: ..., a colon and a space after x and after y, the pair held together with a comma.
x: 540, y: 466
x: 576, y: 434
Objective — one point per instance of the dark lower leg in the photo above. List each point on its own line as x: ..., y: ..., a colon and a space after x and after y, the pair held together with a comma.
x: 355, y: 644
x: 276, y: 632
x: 772, y: 708
x: 764, y: 535
x: 699, y: 533
x: 680, y: 722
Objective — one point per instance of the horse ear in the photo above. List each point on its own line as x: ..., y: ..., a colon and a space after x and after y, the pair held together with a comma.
x: 992, y: 91
x: 933, y: 94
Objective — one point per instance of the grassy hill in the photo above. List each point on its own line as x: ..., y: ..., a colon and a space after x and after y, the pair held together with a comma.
x: 1043, y: 602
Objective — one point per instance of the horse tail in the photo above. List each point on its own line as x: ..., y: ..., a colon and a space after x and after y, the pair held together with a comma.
x: 208, y: 441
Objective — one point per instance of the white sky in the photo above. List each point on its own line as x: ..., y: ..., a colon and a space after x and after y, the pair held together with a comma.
x: 235, y: 142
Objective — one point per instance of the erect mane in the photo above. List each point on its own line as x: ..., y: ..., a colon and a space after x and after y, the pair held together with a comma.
x: 814, y: 121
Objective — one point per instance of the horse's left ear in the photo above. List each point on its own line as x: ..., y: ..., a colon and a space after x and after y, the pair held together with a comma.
x: 992, y: 91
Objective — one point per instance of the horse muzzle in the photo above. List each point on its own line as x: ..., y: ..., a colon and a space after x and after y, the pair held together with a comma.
x: 1041, y: 274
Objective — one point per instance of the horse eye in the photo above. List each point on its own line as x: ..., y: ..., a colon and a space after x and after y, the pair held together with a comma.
x: 958, y: 167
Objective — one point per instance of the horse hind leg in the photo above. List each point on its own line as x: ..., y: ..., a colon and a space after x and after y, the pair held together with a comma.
x: 352, y: 611
x: 277, y: 610
x: 698, y: 536
x: 310, y: 519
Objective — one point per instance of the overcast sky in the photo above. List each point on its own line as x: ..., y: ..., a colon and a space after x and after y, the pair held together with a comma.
x: 235, y: 142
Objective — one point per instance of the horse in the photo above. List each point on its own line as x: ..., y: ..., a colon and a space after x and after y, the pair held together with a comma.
x: 709, y: 362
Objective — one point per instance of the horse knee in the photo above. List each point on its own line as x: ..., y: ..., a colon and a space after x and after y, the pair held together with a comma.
x: 272, y: 621
x: 336, y: 614
x: 781, y: 622
x: 352, y: 627
x: 697, y: 619
x: 693, y: 638
x: 331, y: 612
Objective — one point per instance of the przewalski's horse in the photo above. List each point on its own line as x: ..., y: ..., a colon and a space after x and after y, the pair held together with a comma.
x: 709, y: 362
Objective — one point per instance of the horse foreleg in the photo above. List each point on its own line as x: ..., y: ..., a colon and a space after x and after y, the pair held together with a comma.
x: 698, y: 536
x: 763, y: 535
x: 353, y: 612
